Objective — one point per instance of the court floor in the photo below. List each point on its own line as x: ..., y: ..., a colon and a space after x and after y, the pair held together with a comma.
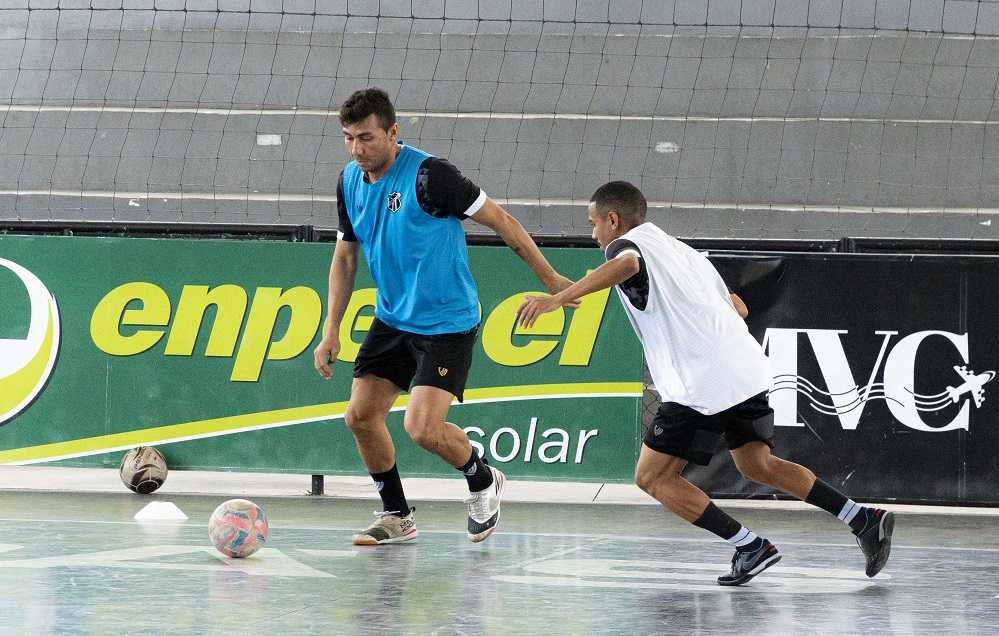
x: 79, y: 563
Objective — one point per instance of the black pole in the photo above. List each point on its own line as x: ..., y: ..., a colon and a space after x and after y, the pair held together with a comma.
x: 317, y: 485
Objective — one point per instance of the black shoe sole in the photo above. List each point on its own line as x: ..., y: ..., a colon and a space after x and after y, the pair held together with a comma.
x: 746, y: 578
x: 887, y: 526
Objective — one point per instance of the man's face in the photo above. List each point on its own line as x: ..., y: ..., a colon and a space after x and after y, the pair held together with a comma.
x: 371, y: 146
x: 606, y: 228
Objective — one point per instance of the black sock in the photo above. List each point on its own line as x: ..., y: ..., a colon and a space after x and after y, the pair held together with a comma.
x: 389, y: 487
x: 478, y: 476
x: 835, y: 503
x: 824, y: 496
x: 715, y: 520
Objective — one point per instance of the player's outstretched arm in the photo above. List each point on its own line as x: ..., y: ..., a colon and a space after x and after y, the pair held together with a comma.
x: 613, y: 272
x: 513, y: 234
x: 343, y: 272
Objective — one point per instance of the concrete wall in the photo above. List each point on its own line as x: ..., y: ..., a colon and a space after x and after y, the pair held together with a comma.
x: 760, y: 118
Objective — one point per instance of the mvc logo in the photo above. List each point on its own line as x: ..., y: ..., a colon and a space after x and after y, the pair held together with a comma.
x: 27, y: 364
x: 846, y: 399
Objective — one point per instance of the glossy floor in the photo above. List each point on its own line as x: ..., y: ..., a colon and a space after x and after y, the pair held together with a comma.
x: 79, y: 563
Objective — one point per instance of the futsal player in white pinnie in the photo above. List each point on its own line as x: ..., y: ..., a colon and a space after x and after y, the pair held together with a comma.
x: 404, y: 208
x: 713, y: 378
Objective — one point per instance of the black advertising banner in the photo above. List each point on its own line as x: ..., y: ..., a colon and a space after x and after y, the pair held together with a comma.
x: 882, y: 365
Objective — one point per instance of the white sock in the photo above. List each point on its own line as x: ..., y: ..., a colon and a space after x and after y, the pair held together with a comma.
x: 849, y: 511
x: 743, y: 537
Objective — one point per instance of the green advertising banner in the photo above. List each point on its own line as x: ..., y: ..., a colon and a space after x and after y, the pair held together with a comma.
x: 203, y: 348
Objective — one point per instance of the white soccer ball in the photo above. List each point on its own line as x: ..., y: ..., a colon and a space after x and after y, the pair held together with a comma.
x: 238, y: 528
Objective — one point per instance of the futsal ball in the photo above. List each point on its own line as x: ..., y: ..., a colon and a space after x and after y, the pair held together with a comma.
x: 143, y: 469
x: 238, y: 528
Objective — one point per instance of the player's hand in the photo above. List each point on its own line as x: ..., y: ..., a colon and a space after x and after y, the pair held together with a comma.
x: 534, y: 306
x: 562, y: 283
x: 325, y: 355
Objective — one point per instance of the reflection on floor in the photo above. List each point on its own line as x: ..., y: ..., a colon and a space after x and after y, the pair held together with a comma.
x: 76, y: 563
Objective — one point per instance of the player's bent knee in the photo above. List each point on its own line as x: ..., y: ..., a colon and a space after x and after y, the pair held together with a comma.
x: 425, y: 442
x: 423, y: 436
x: 352, y: 422
x: 359, y: 422
x: 649, y: 480
x: 642, y: 481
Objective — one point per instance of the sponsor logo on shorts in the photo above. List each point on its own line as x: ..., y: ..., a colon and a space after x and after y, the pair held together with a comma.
x: 658, y: 430
x: 442, y: 371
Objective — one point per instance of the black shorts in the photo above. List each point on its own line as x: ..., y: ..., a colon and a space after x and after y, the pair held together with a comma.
x: 411, y: 359
x: 682, y: 432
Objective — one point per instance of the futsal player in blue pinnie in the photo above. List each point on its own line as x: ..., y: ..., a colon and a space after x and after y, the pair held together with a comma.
x: 713, y: 378
x: 404, y: 208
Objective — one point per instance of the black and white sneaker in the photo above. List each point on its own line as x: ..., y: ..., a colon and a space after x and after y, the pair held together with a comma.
x: 875, y: 538
x: 746, y: 565
x: 484, y: 508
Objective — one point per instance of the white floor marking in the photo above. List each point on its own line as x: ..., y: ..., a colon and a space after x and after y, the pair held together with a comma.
x: 770, y: 584
x: 682, y: 576
x: 266, y: 562
x: 526, y: 564
x: 332, y: 554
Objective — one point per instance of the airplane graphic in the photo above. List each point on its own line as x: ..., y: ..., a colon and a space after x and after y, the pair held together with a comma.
x: 973, y: 383
x: 825, y: 402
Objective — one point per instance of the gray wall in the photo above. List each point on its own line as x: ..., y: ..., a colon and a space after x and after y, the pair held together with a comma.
x: 760, y: 118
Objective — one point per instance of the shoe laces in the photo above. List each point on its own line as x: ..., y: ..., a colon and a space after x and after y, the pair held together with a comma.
x: 383, y: 515
x: 478, y: 503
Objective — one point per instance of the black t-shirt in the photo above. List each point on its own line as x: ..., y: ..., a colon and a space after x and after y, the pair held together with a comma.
x: 635, y: 288
x: 441, y: 190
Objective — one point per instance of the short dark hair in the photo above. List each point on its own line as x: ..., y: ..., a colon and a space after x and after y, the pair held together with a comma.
x: 366, y: 102
x: 623, y: 198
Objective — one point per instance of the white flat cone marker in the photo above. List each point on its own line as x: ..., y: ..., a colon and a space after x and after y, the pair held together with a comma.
x: 160, y: 511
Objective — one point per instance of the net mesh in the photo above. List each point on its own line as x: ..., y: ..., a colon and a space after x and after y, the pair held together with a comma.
x: 751, y: 118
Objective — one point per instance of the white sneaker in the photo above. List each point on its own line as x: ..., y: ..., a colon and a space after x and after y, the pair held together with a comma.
x: 388, y: 528
x: 484, y: 508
